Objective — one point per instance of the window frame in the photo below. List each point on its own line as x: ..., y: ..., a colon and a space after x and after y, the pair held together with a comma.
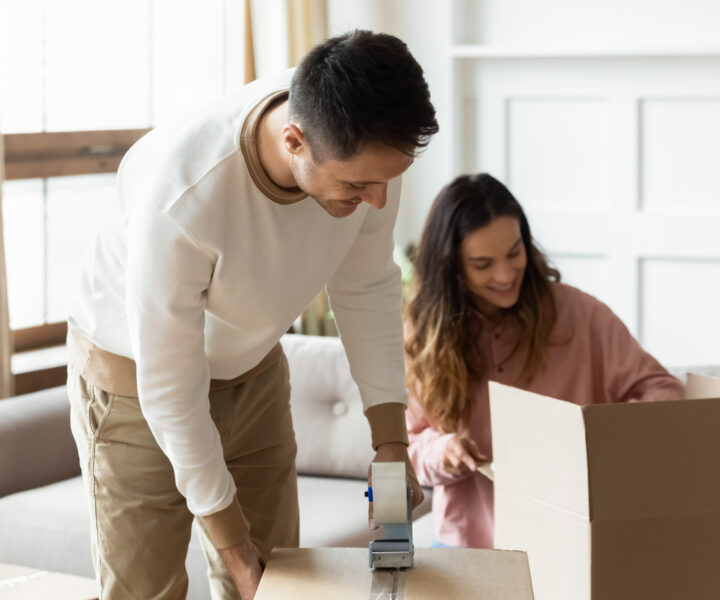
x: 58, y: 154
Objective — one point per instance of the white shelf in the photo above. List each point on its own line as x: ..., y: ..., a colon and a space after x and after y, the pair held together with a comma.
x: 500, y: 52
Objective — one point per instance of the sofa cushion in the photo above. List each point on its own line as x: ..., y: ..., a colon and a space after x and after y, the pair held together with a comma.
x: 333, y: 435
x: 44, y: 418
x: 47, y: 528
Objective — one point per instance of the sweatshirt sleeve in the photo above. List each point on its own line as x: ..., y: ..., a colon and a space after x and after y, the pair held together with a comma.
x: 427, y: 448
x: 630, y: 373
x: 366, y: 298
x: 167, y: 278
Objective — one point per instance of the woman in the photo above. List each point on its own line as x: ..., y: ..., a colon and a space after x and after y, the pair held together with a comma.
x: 489, y: 306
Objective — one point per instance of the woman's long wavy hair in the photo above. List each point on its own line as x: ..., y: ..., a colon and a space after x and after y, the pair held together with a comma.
x: 444, y: 327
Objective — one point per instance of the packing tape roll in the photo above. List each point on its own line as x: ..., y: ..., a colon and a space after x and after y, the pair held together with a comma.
x: 389, y: 490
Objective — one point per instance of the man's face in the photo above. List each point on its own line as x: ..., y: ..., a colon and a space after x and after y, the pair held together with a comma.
x: 339, y: 186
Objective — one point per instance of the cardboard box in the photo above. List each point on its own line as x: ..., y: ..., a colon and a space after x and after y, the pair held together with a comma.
x: 611, y: 501
x: 447, y: 573
x: 23, y: 583
x: 702, y: 386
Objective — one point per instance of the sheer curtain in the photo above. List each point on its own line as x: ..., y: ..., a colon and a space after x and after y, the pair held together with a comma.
x: 249, y: 44
x: 6, y: 379
x: 307, y: 26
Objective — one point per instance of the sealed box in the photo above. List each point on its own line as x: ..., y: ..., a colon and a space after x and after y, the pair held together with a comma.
x: 610, y: 501
x: 447, y: 573
x: 23, y: 583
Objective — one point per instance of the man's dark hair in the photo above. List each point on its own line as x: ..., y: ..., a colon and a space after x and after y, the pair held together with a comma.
x: 361, y: 88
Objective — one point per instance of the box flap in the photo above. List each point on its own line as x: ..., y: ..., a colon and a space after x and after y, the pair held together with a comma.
x: 557, y: 543
x: 653, y: 459
x: 539, y: 448
x: 702, y: 386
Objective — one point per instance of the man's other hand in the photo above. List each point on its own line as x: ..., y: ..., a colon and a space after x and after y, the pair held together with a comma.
x: 245, y: 566
x: 395, y: 452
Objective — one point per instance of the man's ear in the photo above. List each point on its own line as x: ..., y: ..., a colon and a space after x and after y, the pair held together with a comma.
x: 293, y: 138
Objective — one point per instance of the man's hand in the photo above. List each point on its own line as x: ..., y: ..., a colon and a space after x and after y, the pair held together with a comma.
x: 395, y: 452
x: 245, y: 566
x: 462, y: 456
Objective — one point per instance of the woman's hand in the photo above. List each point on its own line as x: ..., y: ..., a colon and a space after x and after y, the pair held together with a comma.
x: 462, y: 456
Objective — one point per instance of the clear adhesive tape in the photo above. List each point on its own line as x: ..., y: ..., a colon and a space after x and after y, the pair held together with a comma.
x: 387, y: 585
x: 389, y: 492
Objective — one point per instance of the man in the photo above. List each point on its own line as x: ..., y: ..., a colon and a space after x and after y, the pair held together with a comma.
x: 225, y: 228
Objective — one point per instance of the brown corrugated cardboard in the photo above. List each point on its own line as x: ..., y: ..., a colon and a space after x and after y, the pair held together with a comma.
x: 23, y: 583
x: 611, y: 501
x: 447, y: 573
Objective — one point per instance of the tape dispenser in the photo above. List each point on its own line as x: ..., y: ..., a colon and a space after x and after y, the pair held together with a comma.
x: 391, y: 496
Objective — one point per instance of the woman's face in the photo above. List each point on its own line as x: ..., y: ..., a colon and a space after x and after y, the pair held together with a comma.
x: 493, y: 262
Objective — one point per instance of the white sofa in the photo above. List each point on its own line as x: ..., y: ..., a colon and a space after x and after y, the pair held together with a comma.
x: 44, y: 520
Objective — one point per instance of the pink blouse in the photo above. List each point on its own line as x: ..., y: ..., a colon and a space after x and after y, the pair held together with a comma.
x: 592, y: 359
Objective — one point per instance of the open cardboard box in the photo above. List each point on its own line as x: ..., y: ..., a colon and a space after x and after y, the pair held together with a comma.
x: 446, y: 573
x: 24, y: 583
x: 611, y: 501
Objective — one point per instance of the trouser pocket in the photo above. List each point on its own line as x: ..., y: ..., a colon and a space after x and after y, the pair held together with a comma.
x: 90, y: 407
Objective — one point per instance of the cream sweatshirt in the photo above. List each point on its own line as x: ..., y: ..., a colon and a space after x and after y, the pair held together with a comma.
x: 198, y: 270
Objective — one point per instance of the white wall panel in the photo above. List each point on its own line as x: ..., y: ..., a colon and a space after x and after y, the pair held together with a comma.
x: 557, y: 153
x: 588, y: 273
x: 606, y: 23
x: 680, y: 145
x: 680, y: 316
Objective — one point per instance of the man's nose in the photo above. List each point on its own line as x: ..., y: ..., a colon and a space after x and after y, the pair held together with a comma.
x: 376, y: 196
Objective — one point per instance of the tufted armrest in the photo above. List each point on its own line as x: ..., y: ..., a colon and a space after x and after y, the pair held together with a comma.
x: 332, y: 433
x: 36, y: 446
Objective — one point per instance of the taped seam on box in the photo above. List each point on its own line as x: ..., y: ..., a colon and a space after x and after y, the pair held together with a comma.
x: 387, y: 585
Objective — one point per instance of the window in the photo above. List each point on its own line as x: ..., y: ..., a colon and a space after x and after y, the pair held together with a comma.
x: 81, y: 81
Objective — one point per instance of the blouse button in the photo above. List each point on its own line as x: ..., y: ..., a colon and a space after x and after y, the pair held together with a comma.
x: 500, y: 369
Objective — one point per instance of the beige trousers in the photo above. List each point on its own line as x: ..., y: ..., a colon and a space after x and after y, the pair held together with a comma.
x: 140, y: 522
